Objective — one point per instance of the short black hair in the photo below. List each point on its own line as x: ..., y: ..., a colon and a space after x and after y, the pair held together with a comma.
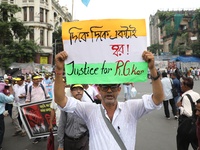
x: 164, y: 74
x: 21, y: 77
x: 188, y: 81
x: 198, y: 101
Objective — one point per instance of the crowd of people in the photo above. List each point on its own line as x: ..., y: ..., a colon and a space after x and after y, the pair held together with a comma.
x: 85, y: 113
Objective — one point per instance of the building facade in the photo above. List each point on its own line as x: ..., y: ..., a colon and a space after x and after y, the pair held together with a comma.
x: 43, y: 17
x: 173, y: 29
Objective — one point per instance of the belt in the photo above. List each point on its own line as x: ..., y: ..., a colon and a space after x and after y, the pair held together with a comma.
x: 77, y: 139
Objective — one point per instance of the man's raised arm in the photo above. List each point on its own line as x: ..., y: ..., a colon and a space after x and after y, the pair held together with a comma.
x: 59, y: 87
x: 158, y: 94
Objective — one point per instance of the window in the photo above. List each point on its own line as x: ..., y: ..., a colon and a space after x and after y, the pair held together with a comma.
x: 25, y: 13
x: 41, y: 15
x: 46, y: 15
x: 32, y: 35
x: 41, y: 37
x: 31, y: 13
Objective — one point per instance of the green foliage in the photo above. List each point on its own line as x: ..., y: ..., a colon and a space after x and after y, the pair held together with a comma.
x: 24, y: 51
x: 13, y: 44
x: 5, y: 57
x: 196, y: 48
x: 57, y: 36
x: 180, y: 49
x: 164, y: 16
x: 169, y: 29
x: 155, y: 47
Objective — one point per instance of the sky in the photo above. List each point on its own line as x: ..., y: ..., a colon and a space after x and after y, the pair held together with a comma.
x: 125, y: 9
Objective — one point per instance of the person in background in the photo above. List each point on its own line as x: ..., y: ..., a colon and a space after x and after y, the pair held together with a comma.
x: 8, y: 106
x: 183, y: 139
x: 166, y: 83
x: 198, y: 122
x: 90, y: 93
x: 127, y: 90
x: 19, y: 98
x: 177, y: 85
x: 36, y: 92
x: 98, y: 101
x: 47, y: 82
x: 122, y: 115
x: 55, y: 111
x: 3, y: 100
x: 72, y: 131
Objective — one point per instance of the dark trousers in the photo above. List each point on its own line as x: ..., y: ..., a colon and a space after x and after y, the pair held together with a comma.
x: 184, y: 138
x: 81, y: 144
x: 2, y: 129
x: 8, y: 107
x: 166, y: 107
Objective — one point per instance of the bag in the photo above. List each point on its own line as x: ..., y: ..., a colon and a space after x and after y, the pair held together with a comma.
x: 174, y: 90
x: 97, y: 101
x: 133, y: 92
x: 50, y: 141
x: 187, y: 126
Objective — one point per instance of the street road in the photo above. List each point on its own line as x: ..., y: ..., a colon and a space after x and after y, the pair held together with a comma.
x: 154, y: 131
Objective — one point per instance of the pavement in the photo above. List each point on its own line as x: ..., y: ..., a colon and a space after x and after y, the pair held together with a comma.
x: 154, y: 131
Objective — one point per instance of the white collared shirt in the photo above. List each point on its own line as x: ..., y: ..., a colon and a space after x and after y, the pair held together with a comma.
x: 18, y: 90
x: 124, y: 121
x: 186, y: 105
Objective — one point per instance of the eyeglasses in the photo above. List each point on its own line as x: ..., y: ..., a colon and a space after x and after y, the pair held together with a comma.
x: 113, y: 88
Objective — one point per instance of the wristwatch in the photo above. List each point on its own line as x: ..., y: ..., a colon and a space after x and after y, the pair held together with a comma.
x: 156, y: 78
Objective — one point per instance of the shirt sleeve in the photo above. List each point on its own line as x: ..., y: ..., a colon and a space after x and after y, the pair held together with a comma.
x: 6, y: 99
x: 70, y: 106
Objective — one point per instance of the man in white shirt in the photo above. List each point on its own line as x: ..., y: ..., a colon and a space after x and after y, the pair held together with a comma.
x: 122, y: 115
x: 36, y: 92
x: 184, y: 139
x: 19, y: 98
x: 167, y: 86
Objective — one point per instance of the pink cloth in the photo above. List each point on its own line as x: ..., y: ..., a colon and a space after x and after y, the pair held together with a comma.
x: 2, y: 86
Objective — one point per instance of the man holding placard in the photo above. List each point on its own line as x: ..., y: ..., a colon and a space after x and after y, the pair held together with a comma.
x: 123, y: 116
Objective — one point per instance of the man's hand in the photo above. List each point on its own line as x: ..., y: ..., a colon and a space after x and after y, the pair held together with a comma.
x: 149, y: 58
x: 179, y: 104
x: 59, y: 60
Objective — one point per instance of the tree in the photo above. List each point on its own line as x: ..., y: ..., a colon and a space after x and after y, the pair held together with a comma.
x: 196, y: 48
x: 57, y: 36
x: 155, y: 48
x: 180, y: 50
x: 13, y: 44
x: 57, y: 40
x: 23, y: 52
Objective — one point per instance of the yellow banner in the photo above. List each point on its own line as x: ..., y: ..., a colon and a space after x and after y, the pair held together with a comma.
x: 108, y: 28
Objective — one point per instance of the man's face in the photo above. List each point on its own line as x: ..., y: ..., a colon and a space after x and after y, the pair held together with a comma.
x: 20, y: 82
x: 109, y: 92
x: 198, y: 110
x: 77, y: 92
x: 36, y: 81
x: 183, y: 86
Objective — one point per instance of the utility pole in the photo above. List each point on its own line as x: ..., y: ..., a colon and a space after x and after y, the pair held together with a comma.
x: 54, y: 53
